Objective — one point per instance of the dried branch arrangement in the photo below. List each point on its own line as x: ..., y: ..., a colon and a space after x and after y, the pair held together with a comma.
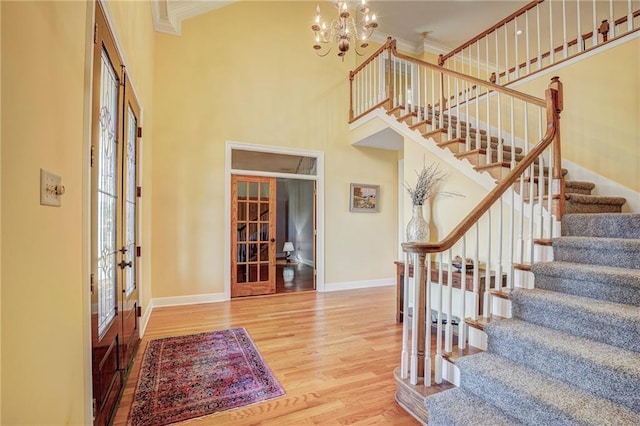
x: 428, y: 179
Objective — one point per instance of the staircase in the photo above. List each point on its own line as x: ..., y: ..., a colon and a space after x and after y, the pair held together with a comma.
x: 570, y: 354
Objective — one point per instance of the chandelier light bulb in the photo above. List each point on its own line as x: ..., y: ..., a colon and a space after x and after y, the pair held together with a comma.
x: 353, y: 26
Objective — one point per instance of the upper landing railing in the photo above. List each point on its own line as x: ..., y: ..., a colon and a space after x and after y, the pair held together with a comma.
x: 541, y: 34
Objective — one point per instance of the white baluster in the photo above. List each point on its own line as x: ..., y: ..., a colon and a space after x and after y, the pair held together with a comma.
x: 438, y: 357
x: 516, y: 35
x: 552, y: 52
x: 500, y: 151
x: 594, y: 37
x: 404, y: 357
x: 506, y: 55
x: 565, y: 47
x: 448, y: 331
x: 487, y: 298
x: 476, y: 274
x: 579, y: 30
x: 612, y: 21
x: 462, y: 336
x: 629, y: 16
x: 538, y: 37
x: 427, y: 341
x: 413, y: 368
x: 526, y: 31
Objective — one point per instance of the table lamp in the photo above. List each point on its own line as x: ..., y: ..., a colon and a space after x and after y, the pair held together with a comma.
x: 288, y: 248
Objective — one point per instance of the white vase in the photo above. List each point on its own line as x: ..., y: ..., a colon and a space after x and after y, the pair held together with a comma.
x: 418, y: 228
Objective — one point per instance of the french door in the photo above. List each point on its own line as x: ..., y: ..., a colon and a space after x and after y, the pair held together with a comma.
x: 114, y: 294
x: 253, y: 250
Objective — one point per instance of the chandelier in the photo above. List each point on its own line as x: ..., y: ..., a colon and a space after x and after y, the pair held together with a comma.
x: 344, y: 29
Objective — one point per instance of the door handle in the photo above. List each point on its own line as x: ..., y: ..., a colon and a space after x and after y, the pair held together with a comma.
x: 273, y: 240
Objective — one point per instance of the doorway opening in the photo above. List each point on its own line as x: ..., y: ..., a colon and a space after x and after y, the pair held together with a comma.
x: 286, y: 252
x: 295, y: 242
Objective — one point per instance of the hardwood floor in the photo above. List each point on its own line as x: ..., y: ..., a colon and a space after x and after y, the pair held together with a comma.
x: 299, y: 277
x: 334, y: 354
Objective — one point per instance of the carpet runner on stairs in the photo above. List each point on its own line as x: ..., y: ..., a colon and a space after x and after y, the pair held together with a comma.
x: 570, y: 354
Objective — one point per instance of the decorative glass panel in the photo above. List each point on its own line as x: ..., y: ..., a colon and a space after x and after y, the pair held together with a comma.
x: 264, y: 191
x: 264, y: 232
x: 272, y: 162
x: 264, y: 252
x: 242, y: 232
x: 130, y: 203
x: 253, y: 211
x: 242, y: 253
x: 242, y: 190
x: 253, y: 252
x: 264, y: 272
x: 242, y: 211
x: 253, y: 273
x: 253, y: 190
x: 241, y: 274
x: 253, y: 232
x: 264, y: 212
x: 107, y: 196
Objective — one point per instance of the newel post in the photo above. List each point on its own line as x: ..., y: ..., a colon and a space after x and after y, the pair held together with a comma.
x: 390, y: 48
x: 556, y: 95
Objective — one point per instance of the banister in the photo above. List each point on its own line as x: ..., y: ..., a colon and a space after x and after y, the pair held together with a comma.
x: 374, y: 55
x: 494, y: 87
x: 491, y: 29
x: 554, y: 107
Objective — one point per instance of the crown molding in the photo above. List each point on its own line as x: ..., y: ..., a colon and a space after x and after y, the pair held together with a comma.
x: 412, y: 48
x: 169, y: 14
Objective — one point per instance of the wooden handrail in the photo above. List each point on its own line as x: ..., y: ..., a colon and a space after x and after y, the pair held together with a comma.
x: 554, y: 107
x: 489, y: 30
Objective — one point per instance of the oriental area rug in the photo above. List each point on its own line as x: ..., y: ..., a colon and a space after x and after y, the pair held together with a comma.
x: 200, y: 374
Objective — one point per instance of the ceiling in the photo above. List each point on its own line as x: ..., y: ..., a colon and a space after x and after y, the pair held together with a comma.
x: 448, y: 23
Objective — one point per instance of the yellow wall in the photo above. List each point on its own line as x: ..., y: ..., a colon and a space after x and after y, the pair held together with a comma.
x: 44, y: 303
x: 600, y: 127
x: 43, y: 340
x: 247, y: 73
x: 0, y: 213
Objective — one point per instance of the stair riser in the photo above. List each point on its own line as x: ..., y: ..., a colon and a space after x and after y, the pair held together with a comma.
x: 603, y: 290
x: 617, y: 257
x: 609, y: 226
x: 573, y: 208
x: 607, y: 329
x: 601, y: 380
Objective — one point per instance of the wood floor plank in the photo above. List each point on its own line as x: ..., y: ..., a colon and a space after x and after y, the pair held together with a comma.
x: 333, y: 353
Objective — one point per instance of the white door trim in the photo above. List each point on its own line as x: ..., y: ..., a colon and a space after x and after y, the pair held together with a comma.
x: 319, y: 178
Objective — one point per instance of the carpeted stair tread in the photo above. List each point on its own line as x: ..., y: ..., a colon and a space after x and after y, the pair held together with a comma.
x: 582, y: 203
x: 615, y: 324
x: 611, y: 225
x: 603, y: 370
x: 535, y: 399
x: 598, y: 251
x: 457, y: 407
x: 619, y: 285
x: 579, y: 187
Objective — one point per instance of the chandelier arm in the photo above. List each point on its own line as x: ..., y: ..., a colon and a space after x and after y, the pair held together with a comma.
x: 325, y: 54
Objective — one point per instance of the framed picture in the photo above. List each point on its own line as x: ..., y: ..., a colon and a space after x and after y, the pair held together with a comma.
x: 364, y: 198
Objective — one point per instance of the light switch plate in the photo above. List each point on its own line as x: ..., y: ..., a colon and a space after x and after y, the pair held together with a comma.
x: 48, y: 189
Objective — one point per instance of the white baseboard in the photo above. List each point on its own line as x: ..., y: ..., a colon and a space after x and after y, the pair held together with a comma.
x: 189, y: 300
x: 353, y: 285
x: 177, y: 301
x: 308, y: 262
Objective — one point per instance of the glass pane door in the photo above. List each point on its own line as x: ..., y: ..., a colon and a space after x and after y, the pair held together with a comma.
x: 253, y: 239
